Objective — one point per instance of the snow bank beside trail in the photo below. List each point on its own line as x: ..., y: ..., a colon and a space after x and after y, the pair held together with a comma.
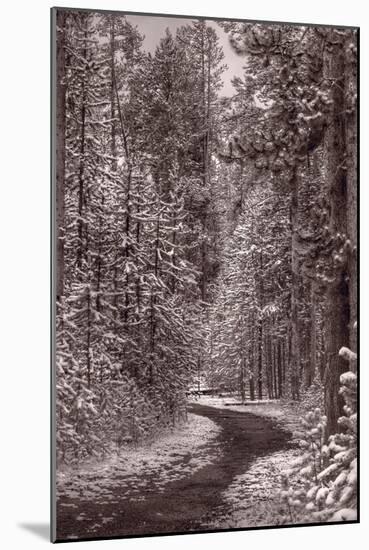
x: 286, y: 413
x: 129, y: 474
x: 251, y: 497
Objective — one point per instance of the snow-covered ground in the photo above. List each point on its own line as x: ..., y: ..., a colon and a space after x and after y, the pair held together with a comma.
x: 286, y: 413
x: 253, y: 496
x: 132, y: 473
x: 177, y: 453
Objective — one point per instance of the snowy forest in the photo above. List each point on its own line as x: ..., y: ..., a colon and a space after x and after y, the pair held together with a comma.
x: 206, y: 260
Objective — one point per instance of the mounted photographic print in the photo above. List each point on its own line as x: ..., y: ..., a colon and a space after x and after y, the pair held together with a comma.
x: 204, y: 274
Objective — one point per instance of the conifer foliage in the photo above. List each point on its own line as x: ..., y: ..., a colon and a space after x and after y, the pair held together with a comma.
x: 328, y: 467
x: 134, y: 267
x: 204, y: 237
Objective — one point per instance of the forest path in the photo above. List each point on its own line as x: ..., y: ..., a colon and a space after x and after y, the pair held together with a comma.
x: 190, y: 503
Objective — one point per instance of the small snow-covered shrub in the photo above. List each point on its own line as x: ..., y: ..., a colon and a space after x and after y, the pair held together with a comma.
x: 119, y: 413
x: 313, y: 397
x: 326, y: 469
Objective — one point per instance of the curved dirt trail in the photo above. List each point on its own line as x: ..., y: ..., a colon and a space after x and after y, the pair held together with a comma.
x: 187, y: 504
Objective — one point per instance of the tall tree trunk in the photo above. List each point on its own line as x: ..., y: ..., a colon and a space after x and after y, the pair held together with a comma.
x: 208, y: 114
x: 129, y: 171
x: 260, y: 330
x: 268, y: 364
x: 127, y: 237
x: 88, y: 338
x: 275, y: 374
x: 284, y: 360
x: 153, y: 321
x: 351, y: 86
x: 280, y: 372
x: 99, y: 260
x: 81, y: 170
x: 252, y: 388
x: 337, y: 315
x: 113, y: 147
x: 60, y: 152
x: 138, y: 237
x: 311, y: 360
x: 174, y: 242
x: 260, y: 359
x: 252, y: 359
x: 243, y: 351
x: 204, y: 261
x: 204, y: 111
x: 295, y: 342
x: 242, y: 380
x: 114, y: 165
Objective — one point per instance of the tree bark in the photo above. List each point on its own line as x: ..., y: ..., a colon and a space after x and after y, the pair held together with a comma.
x: 280, y: 378
x: 311, y: 360
x: 252, y: 359
x: 260, y: 331
x: 295, y: 341
x: 337, y: 314
x: 60, y: 151
x: 351, y: 85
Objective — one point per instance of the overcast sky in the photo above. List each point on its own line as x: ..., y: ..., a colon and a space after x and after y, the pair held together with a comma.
x: 154, y: 29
